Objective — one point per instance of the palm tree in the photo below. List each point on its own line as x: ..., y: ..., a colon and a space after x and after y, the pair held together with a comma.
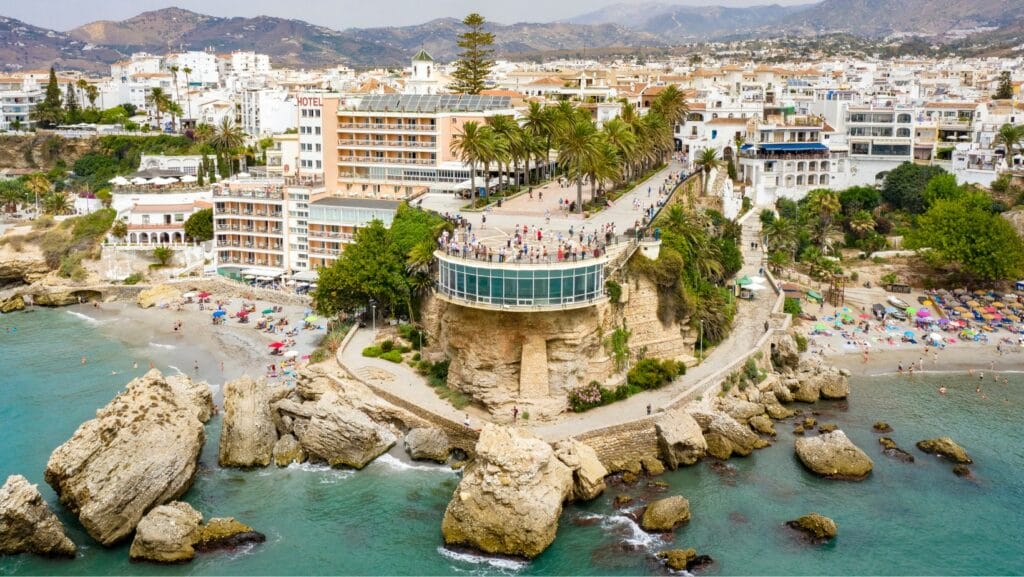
x: 603, y: 166
x: 495, y: 151
x: 578, y: 144
x: 707, y: 160
x: 420, y: 258
x: 227, y: 138
x: 12, y: 193
x: 861, y: 223
x: 202, y: 133
x: 1011, y: 137
x: 671, y: 105
x: 620, y: 136
x: 469, y: 145
x: 188, y: 90
x: 174, y: 77
x: 824, y: 204
x: 507, y: 129
x: 39, y: 185
x: 540, y: 123
x: 56, y: 203
x: 159, y: 100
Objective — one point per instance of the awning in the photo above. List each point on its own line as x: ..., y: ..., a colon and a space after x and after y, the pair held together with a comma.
x: 265, y: 272
x: 306, y: 276
x: 794, y: 147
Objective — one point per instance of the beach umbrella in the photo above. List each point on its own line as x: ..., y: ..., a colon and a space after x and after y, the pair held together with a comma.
x: 312, y: 319
x: 267, y: 312
x: 276, y: 345
x: 744, y: 281
x: 291, y: 354
x: 999, y: 304
x: 909, y: 334
x: 989, y: 310
x: 924, y: 313
x: 189, y: 178
x: 218, y: 314
x: 119, y: 181
x: 865, y: 316
x: 203, y: 295
x: 935, y: 337
x: 943, y: 321
x: 243, y: 313
x: 820, y: 327
x: 189, y: 295
x: 973, y: 303
x: 910, y: 310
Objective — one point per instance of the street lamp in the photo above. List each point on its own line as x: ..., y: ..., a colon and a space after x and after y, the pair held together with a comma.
x: 702, y: 340
x: 373, y: 314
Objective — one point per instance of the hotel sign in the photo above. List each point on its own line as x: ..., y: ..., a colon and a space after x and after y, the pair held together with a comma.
x: 310, y: 101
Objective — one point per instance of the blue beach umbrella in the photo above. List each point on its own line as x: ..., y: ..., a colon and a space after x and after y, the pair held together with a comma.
x: 218, y: 314
x: 909, y: 334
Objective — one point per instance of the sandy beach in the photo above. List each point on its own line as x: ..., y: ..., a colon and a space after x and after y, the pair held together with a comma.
x: 221, y: 352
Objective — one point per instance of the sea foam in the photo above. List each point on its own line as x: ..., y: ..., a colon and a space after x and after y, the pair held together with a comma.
x: 85, y: 318
x: 397, y: 464
x: 476, y: 559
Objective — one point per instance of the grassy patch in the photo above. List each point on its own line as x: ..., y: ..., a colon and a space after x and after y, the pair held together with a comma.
x: 393, y: 355
x: 330, y: 343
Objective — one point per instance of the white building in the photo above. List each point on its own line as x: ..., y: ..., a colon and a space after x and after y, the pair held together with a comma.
x: 18, y: 99
x: 184, y: 164
x: 137, y: 63
x: 202, y: 66
x: 267, y: 111
x: 158, y: 218
x: 311, y: 137
x: 251, y: 63
x: 424, y: 79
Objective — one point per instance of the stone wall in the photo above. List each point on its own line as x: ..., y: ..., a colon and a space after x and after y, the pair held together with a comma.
x: 620, y: 444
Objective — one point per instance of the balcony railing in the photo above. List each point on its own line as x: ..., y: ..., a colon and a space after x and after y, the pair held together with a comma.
x: 251, y: 213
x: 329, y: 235
x: 248, y: 194
x: 387, y: 143
x: 375, y: 126
x: 376, y: 160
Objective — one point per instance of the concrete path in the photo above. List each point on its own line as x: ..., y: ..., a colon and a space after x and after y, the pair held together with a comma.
x: 747, y: 329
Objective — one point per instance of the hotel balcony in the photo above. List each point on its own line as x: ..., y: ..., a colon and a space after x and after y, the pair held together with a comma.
x: 248, y: 194
x: 249, y: 213
x: 386, y: 160
x: 387, y: 127
x: 321, y: 234
x: 346, y: 144
x: 520, y: 286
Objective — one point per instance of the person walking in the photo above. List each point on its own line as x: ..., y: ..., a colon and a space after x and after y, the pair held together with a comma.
x: 515, y: 413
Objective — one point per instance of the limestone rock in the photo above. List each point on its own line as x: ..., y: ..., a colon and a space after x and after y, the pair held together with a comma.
x: 684, y: 559
x: 817, y: 527
x: 510, y: 496
x: 429, y: 443
x: 287, y: 450
x: 785, y: 354
x: 27, y: 525
x: 807, y: 391
x: 139, y: 452
x: 961, y: 470
x: 54, y: 297
x: 741, y: 438
x: 652, y: 466
x: 762, y: 424
x: 166, y: 534
x: 809, y: 422
x: 587, y: 471
x: 945, y: 447
x: 24, y: 266
x: 680, y: 439
x: 621, y: 501
x: 834, y: 384
x: 782, y: 392
x: 162, y: 293
x: 827, y: 427
x: 882, y: 427
x: 774, y: 409
x: 14, y: 303
x: 665, y: 514
x: 834, y: 456
x: 341, y: 436
x: 741, y: 410
x: 248, y: 433
x: 798, y: 429
x: 225, y: 533
x: 312, y: 382
x: 815, y: 380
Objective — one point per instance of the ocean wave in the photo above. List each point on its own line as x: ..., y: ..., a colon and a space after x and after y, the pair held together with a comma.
x: 161, y: 346
x: 180, y: 372
x: 393, y: 462
x: 630, y: 532
x: 85, y: 318
x: 329, y: 475
x: 496, y: 562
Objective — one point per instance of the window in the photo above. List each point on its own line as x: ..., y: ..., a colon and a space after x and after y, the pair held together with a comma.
x: 317, y: 129
x: 319, y: 164
x: 318, y: 147
x: 862, y: 148
x: 903, y: 119
x: 903, y: 132
x: 890, y: 150
x: 179, y: 217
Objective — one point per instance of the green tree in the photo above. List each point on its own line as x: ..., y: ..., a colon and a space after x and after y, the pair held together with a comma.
x: 199, y: 226
x: 541, y: 123
x: 1005, y: 89
x: 39, y: 186
x: 1010, y: 137
x: 706, y: 161
x: 71, y: 105
x: 964, y: 236
x: 163, y: 255
x: 470, y: 146
x: 49, y: 112
x: 941, y: 187
x: 824, y: 205
x: 474, y: 63
x: 119, y: 229
x: 578, y: 145
x: 857, y: 198
x: 12, y: 193
x: 371, y: 267
x: 226, y: 139
x: 56, y: 203
x: 862, y: 223
x: 904, y: 186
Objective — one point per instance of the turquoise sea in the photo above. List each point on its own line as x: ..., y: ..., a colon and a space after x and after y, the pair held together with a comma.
x: 915, y: 519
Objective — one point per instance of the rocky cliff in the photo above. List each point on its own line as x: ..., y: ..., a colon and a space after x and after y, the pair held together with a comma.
x: 140, y: 451
x: 248, y: 435
x: 510, y: 496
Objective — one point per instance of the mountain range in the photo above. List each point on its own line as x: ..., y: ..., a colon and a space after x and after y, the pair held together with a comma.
x: 653, y: 24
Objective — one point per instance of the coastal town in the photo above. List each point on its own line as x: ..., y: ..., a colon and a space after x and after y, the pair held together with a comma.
x: 634, y: 304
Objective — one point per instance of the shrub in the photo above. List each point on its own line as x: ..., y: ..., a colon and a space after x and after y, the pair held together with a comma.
x: 69, y: 264
x: 393, y: 355
x: 890, y: 278
x: 750, y: 369
x: 585, y: 397
x: 414, y: 335
x: 801, y: 342
x: 163, y: 255
x: 134, y: 278
x: 373, y: 351
x: 387, y: 345
x: 653, y: 373
x: 416, y: 358
x: 614, y: 291
x: 439, y: 372
x: 791, y: 306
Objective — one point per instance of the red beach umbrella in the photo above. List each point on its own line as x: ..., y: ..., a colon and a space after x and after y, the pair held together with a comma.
x: 243, y: 313
x: 276, y: 345
x: 203, y: 295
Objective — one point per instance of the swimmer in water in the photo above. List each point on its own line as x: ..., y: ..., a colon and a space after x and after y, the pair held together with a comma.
x: 942, y: 390
x: 113, y: 372
x: 135, y: 365
x: 83, y: 360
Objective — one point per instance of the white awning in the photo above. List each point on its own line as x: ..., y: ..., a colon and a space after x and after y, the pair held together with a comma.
x: 306, y: 276
x: 260, y: 271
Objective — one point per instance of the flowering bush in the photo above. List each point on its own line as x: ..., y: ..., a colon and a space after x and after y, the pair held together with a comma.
x: 585, y: 397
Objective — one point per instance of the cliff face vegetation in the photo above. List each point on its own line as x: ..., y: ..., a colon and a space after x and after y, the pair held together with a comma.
x: 41, y: 151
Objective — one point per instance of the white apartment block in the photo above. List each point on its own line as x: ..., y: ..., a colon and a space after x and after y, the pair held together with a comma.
x: 267, y: 111
x: 18, y: 99
x: 203, y: 67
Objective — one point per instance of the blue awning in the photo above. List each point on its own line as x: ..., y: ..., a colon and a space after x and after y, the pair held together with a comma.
x: 794, y: 147
x: 746, y: 147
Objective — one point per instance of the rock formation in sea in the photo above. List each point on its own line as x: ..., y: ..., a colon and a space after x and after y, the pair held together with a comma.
x: 139, y: 452
x: 816, y: 527
x: 428, y: 443
x: 665, y: 514
x: 683, y: 559
x: 341, y: 436
x: 248, y: 433
x: 173, y: 533
x: 890, y: 449
x: 510, y: 496
x: 154, y: 296
x: 587, y: 471
x: 725, y: 436
x: 680, y: 439
x: 834, y: 456
x: 27, y: 525
x: 945, y: 447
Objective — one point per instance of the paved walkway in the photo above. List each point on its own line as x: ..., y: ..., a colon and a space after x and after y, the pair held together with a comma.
x: 401, y: 380
x: 747, y: 329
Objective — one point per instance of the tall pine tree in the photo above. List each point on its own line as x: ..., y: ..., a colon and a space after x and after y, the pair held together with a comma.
x: 71, y: 105
x: 49, y: 112
x: 1005, y: 89
x: 475, y: 62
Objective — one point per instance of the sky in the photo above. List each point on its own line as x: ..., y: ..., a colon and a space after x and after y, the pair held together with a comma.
x: 338, y: 14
